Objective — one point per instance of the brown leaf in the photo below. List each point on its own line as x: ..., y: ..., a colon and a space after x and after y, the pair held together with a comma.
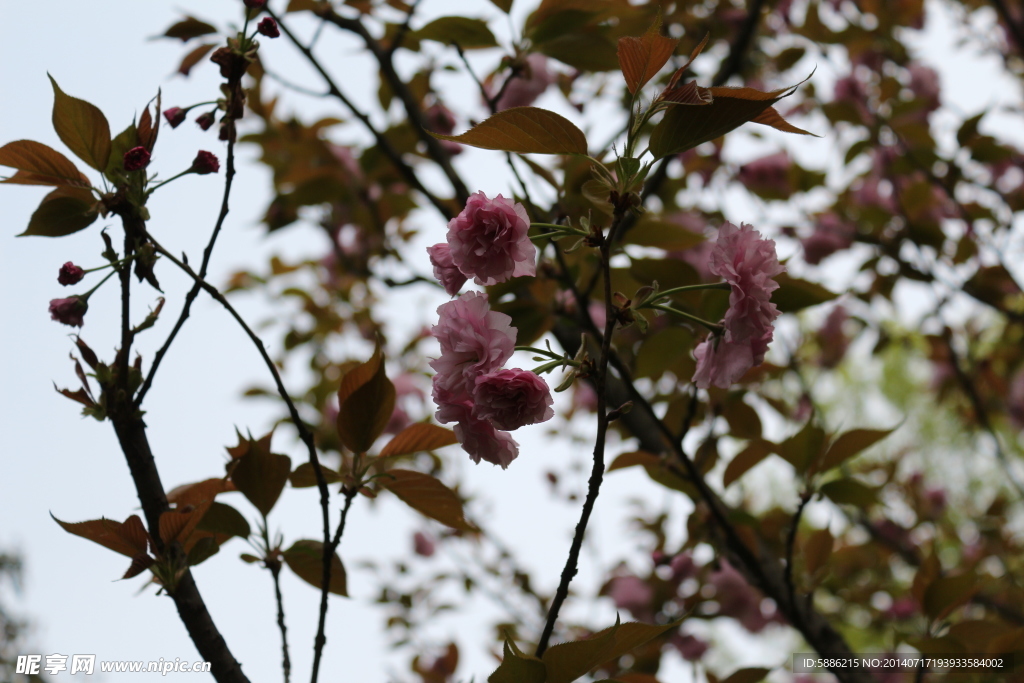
x: 305, y: 558
x: 189, y: 28
x: 641, y: 58
x: 691, y: 93
x: 366, y: 401
x: 421, y: 436
x: 428, y: 496
x: 261, y: 475
x: 771, y: 117
x: 38, y: 164
x: 110, y: 534
x: 304, y: 476
x: 526, y: 130
x: 64, y: 211
x: 82, y: 127
x: 147, y: 131
x: 178, y: 524
x: 817, y: 550
x: 193, y: 58
x: 197, y: 492
x: 752, y: 455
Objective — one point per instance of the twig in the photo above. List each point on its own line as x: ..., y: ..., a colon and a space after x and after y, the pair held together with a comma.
x: 1008, y: 19
x: 304, y: 434
x: 401, y: 90
x: 385, y: 145
x: 286, y: 662
x: 229, y: 176
x: 402, y: 30
x: 597, y: 472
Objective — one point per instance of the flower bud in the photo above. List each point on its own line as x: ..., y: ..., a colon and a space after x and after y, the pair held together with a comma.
x: 268, y: 28
x: 205, y: 163
x: 255, y: 4
x: 206, y: 121
x: 135, y: 159
x: 175, y: 116
x: 69, y: 311
x: 70, y: 274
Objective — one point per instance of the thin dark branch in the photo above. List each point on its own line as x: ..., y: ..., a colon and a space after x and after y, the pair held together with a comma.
x: 304, y: 434
x: 286, y: 662
x: 412, y: 107
x: 406, y: 171
x: 597, y: 472
x: 402, y: 30
x: 229, y: 176
x: 741, y: 44
x: 1015, y: 28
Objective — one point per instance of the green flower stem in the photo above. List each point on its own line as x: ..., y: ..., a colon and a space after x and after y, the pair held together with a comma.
x: 85, y: 297
x: 717, y: 329
x: 724, y: 286
x: 568, y: 229
x: 113, y: 264
x: 543, y: 352
x: 161, y: 184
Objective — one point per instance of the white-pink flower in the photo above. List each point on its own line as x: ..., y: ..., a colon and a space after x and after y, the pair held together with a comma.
x: 445, y: 270
x: 747, y: 262
x: 489, y: 240
x: 474, y: 340
x: 510, y: 399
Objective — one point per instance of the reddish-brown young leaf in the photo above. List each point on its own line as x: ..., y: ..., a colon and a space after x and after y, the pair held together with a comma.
x: 641, y: 58
x: 189, y: 28
x: 684, y: 128
x: 755, y: 452
x: 526, y: 130
x: 428, y: 496
x: 178, y: 524
x: 38, y: 164
x: 690, y: 93
x: 304, y: 477
x: 80, y: 396
x: 771, y: 117
x: 421, y: 436
x: 64, y: 211
x: 517, y: 667
x: 817, y: 550
x: 109, y: 534
x: 82, y: 127
x: 674, y: 81
x: 147, y: 131
x: 366, y: 401
x: 194, y: 57
x: 305, y: 558
x: 261, y: 475
x: 197, y: 492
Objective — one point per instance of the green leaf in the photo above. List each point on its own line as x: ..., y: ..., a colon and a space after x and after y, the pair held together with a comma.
x: 125, y: 140
x: 82, y: 127
x: 306, y: 559
x: 848, y: 491
x: 817, y: 550
x: 517, y: 667
x: 428, y: 496
x: 945, y: 594
x: 526, y: 130
x: 795, y: 294
x: 684, y: 128
x: 849, y: 444
x: 64, y: 211
x: 421, y: 436
x: 202, y: 550
x: 38, y: 164
x: 261, y: 475
x: 466, y: 32
x: 366, y: 401
x: 586, y: 50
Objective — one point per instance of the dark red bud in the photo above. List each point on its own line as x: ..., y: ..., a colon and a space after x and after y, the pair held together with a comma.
x: 206, y: 120
x: 268, y: 28
x: 70, y: 274
x: 204, y: 163
x: 136, y: 159
x: 175, y: 116
x: 69, y: 311
x: 255, y: 4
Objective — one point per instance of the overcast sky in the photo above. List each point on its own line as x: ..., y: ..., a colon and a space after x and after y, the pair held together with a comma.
x: 56, y: 462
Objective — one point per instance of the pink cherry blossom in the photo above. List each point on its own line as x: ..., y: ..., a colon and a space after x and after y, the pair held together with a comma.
x: 720, y: 362
x: 483, y: 442
x: 831, y: 234
x: 510, y: 399
x: 474, y: 340
x: 489, y: 240
x: 526, y: 86
x: 423, y: 544
x: 768, y: 176
x: 69, y: 311
x: 445, y: 271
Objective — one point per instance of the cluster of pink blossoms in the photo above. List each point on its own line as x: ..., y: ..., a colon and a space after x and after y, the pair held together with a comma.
x: 488, y: 241
x: 748, y: 263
